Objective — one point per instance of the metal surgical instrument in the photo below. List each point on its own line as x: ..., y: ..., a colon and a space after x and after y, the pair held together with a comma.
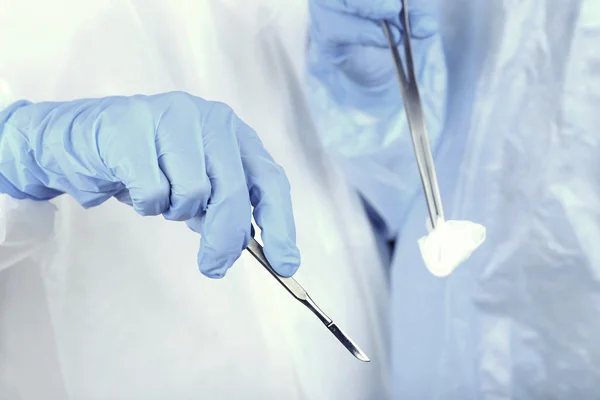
x: 300, y: 294
x: 416, y: 121
x: 418, y: 131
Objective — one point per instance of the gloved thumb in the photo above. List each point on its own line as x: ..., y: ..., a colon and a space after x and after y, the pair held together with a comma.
x: 422, y: 18
x: 422, y: 25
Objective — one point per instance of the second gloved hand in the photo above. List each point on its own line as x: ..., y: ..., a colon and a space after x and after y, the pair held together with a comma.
x: 347, y: 38
x: 172, y: 154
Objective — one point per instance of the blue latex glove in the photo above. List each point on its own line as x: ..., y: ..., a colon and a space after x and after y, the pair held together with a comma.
x: 348, y: 35
x: 172, y: 154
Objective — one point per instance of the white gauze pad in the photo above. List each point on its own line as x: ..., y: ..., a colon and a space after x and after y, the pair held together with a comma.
x: 449, y: 244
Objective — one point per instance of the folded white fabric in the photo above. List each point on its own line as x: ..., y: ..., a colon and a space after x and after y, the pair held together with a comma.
x: 449, y: 244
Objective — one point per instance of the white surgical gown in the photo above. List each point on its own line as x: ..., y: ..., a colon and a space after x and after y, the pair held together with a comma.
x: 104, y: 304
x: 517, y: 148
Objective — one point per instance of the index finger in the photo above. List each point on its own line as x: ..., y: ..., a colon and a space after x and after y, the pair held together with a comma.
x: 270, y: 196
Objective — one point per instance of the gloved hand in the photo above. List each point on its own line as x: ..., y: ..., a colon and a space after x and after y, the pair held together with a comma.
x: 347, y: 34
x: 172, y: 154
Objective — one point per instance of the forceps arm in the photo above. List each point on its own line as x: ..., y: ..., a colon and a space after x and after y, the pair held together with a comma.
x: 416, y: 120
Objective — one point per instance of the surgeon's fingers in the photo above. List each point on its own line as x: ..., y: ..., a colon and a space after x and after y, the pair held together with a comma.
x: 330, y: 27
x: 130, y: 154
x: 180, y: 152
x: 358, y: 22
x: 225, y: 227
x: 372, y: 9
x: 422, y: 18
x: 270, y: 196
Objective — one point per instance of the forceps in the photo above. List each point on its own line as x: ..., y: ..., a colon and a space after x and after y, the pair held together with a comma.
x: 300, y: 294
x: 416, y: 120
